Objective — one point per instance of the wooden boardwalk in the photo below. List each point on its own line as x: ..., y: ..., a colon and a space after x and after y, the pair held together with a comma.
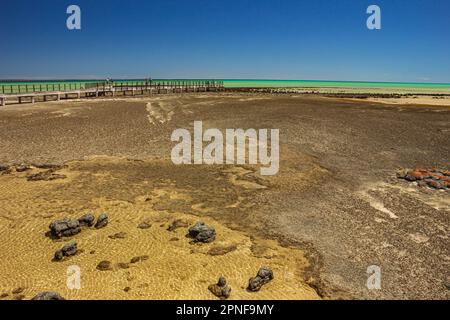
x: 111, y: 89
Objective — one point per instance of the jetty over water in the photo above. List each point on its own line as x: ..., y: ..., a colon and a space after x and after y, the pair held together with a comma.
x: 31, y: 93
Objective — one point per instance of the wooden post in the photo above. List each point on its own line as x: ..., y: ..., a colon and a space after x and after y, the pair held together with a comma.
x: 32, y: 99
x: 3, y: 101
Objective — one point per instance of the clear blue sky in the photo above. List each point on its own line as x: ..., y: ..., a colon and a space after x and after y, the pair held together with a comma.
x: 258, y: 39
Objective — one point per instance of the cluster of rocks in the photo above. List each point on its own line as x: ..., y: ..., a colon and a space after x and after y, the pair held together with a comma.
x: 17, y: 294
x: 435, y: 179
x: 220, y: 289
x: 70, y: 227
x: 106, y: 265
x: 64, y: 228
x: 48, y: 295
x: 200, y: 232
x: 68, y: 250
x: 47, y: 175
x: 264, y: 276
x: 45, y: 295
x: 223, y: 291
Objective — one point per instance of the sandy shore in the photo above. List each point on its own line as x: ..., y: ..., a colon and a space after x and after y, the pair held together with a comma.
x: 416, y: 100
x: 335, y: 208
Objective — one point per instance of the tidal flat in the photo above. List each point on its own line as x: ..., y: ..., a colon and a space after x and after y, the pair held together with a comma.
x: 335, y: 207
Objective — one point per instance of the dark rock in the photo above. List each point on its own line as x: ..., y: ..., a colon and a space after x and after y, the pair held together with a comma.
x: 174, y: 239
x: 104, y: 265
x: 177, y: 224
x: 22, y: 168
x: 19, y: 297
x: 68, y: 250
x: 222, y: 282
x: 45, y: 176
x: 200, y: 232
x: 102, y: 221
x: 144, y: 225
x: 5, y: 169
x: 48, y: 295
x: 138, y: 259
x: 264, y: 276
x: 126, y: 289
x: 64, y: 228
x: 3, y: 295
x: 220, y: 289
x: 87, y: 220
x: 119, y: 235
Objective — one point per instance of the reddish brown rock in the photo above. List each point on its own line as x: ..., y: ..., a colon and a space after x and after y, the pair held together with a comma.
x: 416, y: 175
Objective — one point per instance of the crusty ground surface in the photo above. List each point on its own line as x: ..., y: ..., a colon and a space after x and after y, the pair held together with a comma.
x: 335, y: 202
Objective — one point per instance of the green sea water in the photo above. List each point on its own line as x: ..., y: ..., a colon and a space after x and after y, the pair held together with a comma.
x: 48, y: 85
x: 330, y: 84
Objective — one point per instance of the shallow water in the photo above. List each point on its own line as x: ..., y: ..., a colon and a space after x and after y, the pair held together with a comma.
x: 176, y: 268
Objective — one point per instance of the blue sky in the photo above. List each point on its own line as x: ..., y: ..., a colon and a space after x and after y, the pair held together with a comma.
x: 258, y: 39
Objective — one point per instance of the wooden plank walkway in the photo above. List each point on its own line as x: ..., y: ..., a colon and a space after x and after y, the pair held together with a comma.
x: 103, y: 89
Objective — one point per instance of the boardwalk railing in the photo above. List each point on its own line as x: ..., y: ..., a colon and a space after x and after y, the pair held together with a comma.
x: 45, y: 91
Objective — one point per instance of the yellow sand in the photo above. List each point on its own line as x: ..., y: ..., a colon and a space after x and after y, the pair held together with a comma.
x: 176, y: 269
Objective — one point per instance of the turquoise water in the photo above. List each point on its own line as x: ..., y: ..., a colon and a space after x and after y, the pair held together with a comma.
x: 30, y: 86
x: 331, y: 84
